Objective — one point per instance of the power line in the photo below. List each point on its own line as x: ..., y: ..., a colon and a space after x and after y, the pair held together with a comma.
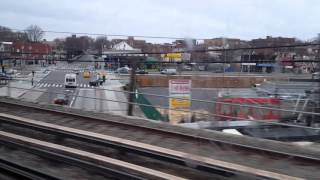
x: 163, y: 62
x: 186, y: 51
x: 110, y: 35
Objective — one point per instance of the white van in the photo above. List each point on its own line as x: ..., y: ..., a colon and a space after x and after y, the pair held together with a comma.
x: 70, y: 80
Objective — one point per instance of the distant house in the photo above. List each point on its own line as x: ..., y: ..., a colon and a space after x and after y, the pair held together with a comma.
x: 5, y: 52
x: 120, y: 54
x: 123, y: 46
x: 5, y: 49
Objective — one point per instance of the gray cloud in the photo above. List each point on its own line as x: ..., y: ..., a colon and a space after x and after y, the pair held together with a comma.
x: 245, y: 19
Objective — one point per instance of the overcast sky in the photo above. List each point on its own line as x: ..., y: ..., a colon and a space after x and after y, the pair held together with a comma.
x: 245, y: 19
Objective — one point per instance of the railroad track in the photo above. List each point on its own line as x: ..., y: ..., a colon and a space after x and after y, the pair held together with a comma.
x: 229, y: 159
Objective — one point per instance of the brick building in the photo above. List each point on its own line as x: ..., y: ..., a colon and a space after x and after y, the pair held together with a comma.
x: 31, y: 52
x: 272, y: 41
x: 223, y: 42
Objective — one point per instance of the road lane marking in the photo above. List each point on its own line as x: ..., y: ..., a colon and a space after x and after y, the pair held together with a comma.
x: 72, y: 101
x: 45, y: 85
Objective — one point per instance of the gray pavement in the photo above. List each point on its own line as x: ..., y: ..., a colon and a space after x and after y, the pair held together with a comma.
x: 84, y: 97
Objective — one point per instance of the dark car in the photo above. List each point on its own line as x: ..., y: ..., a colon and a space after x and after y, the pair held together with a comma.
x: 76, y: 71
x: 141, y: 71
x: 94, y: 82
x: 4, y: 76
x: 61, y: 99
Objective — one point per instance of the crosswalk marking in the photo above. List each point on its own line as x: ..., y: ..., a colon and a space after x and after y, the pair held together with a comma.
x: 55, y: 85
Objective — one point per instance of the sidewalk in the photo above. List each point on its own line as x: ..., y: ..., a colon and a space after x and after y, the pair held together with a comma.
x: 15, y: 89
x: 21, y: 85
x: 115, y: 107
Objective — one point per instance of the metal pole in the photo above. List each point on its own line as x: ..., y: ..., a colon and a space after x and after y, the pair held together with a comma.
x: 132, y: 87
x: 1, y: 63
x: 9, y: 89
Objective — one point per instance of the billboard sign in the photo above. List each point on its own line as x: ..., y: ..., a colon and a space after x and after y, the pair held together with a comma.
x: 180, y: 98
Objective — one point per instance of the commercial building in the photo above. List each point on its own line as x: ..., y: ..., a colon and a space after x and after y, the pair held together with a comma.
x: 30, y: 53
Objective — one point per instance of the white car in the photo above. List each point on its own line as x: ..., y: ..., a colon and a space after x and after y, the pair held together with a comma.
x: 123, y: 70
x: 11, y: 71
x: 169, y: 71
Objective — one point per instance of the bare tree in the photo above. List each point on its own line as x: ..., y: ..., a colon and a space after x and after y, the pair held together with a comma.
x: 6, y: 34
x: 100, y: 43
x: 34, y: 33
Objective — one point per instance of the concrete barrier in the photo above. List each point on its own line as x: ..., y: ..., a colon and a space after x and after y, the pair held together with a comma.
x: 205, y: 81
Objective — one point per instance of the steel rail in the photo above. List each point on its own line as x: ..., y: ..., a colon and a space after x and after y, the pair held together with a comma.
x: 138, y: 148
x: 175, y: 133
x: 115, y: 143
x: 24, y: 172
x: 83, y: 159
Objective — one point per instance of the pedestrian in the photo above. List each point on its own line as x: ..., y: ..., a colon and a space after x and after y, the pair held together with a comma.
x: 104, y: 78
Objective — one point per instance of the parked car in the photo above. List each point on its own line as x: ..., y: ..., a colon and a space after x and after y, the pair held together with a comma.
x: 76, y: 71
x: 169, y: 71
x: 11, y: 71
x: 4, y: 76
x: 141, y: 71
x: 61, y: 99
x: 123, y: 70
x: 187, y: 68
x: 316, y: 75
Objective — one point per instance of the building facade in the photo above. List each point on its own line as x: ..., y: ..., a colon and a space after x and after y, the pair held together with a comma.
x: 25, y: 53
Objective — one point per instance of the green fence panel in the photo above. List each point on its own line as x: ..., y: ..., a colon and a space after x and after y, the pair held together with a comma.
x: 149, y: 111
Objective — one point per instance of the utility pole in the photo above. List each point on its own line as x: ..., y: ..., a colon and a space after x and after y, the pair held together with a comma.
x: 132, y: 86
x: 1, y: 63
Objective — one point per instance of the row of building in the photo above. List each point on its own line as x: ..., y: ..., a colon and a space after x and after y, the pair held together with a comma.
x: 204, y: 51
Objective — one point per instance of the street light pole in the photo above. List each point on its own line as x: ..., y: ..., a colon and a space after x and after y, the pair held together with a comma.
x: 132, y: 86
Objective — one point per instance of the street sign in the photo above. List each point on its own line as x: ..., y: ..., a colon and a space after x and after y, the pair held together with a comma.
x: 180, y: 103
x: 180, y: 95
x: 179, y: 86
